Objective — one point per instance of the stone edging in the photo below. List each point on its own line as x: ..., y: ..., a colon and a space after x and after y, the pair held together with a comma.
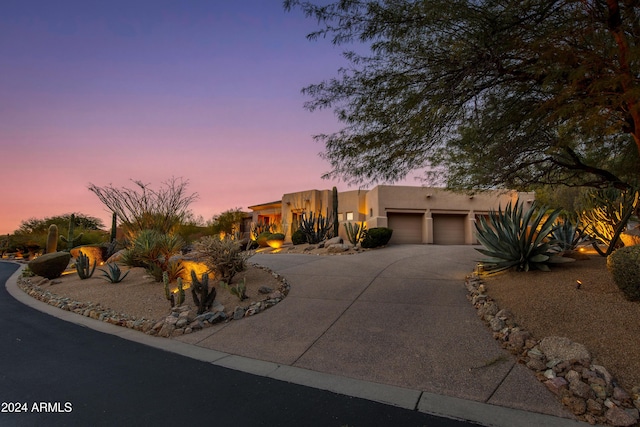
x: 181, y: 320
x: 564, y: 367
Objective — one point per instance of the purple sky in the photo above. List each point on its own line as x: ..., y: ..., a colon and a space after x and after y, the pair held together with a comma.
x: 103, y: 92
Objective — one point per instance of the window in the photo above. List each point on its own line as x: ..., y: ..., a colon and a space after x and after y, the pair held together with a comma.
x: 349, y: 216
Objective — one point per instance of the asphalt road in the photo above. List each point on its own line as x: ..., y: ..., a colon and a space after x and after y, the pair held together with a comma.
x: 60, y: 374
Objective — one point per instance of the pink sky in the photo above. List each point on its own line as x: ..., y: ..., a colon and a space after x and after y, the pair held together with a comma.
x: 105, y: 92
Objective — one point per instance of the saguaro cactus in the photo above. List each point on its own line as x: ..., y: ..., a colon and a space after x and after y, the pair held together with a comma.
x: 114, y: 225
x: 52, y: 240
x: 71, y: 241
x: 336, y: 224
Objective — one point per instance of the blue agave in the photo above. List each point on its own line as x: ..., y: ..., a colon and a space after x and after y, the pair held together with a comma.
x: 518, y: 239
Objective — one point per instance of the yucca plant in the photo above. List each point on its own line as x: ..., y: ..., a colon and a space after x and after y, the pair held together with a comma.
x: 518, y: 238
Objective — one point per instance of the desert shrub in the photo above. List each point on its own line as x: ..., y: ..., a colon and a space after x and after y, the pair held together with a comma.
x: 298, y: 237
x: 276, y: 236
x: 624, y: 265
x: 262, y: 239
x: 224, y: 257
x: 518, y: 238
x: 174, y: 270
x: 375, y: 237
x: 151, y: 249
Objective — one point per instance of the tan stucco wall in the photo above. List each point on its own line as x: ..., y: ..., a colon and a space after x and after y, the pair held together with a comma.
x: 373, y: 206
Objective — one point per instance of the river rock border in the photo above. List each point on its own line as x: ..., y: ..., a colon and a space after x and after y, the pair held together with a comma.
x: 181, y: 320
x: 586, y: 389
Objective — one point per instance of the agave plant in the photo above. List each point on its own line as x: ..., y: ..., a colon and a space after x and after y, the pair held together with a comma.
x: 114, y: 273
x: 518, y: 238
x: 568, y: 234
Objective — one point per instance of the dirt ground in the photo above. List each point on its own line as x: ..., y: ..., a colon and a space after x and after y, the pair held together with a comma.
x: 594, y: 313
x: 140, y: 296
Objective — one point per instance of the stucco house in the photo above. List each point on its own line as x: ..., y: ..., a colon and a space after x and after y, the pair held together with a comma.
x: 416, y: 214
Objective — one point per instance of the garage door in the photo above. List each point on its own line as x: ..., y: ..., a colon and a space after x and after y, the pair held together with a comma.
x: 448, y: 229
x: 407, y: 227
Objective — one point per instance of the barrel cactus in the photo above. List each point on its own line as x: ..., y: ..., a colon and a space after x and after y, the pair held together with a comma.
x: 52, y: 239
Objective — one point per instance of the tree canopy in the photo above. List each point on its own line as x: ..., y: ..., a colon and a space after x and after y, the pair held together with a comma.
x: 144, y: 208
x: 36, y: 225
x: 484, y: 93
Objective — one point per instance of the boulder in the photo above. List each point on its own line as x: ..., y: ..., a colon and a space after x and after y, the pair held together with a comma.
x: 50, y: 265
x: 333, y: 241
x: 631, y: 237
x: 93, y: 252
x: 563, y: 349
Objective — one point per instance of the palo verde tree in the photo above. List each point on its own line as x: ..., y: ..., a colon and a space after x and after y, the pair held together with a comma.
x: 144, y: 208
x: 487, y: 93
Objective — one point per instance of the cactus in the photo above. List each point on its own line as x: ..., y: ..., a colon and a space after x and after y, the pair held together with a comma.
x: 203, y: 297
x: 71, y: 241
x: 180, y: 293
x: 114, y: 225
x: 239, y: 290
x: 355, y: 232
x: 316, y: 229
x: 83, y: 266
x: 52, y: 239
x: 167, y: 292
x: 336, y: 225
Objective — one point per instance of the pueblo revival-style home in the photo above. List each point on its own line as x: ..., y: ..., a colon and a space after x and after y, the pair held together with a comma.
x: 416, y: 214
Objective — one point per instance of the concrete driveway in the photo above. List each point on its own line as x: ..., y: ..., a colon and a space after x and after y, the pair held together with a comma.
x: 396, y: 316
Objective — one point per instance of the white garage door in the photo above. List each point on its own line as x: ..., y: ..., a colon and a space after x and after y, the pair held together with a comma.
x: 448, y: 229
x: 407, y: 227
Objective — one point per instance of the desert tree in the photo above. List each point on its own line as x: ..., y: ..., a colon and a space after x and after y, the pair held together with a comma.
x: 483, y: 93
x: 145, y: 208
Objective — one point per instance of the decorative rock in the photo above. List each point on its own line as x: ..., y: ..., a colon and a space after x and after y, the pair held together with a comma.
x: 549, y: 374
x: 563, y: 348
x: 182, y: 322
x: 518, y: 339
x: 536, y: 365
x: 166, y: 330
x: 337, y: 248
x: 599, y: 390
x: 575, y: 404
x: 196, y: 325
x: 572, y: 376
x: 581, y: 389
x: 496, y: 324
x: 556, y: 385
x: 265, y: 290
x: 488, y: 309
x: 619, y: 417
x: 238, y: 313
x: 333, y: 241
x: 594, y: 407
x: 620, y: 394
x: 50, y: 265
x: 602, y: 371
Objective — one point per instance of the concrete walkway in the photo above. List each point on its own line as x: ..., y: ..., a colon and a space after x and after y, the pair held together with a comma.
x: 390, y: 325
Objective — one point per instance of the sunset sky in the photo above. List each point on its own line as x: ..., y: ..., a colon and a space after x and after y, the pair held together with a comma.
x: 104, y: 92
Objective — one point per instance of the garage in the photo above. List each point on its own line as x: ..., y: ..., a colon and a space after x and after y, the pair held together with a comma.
x: 448, y: 229
x: 407, y: 227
